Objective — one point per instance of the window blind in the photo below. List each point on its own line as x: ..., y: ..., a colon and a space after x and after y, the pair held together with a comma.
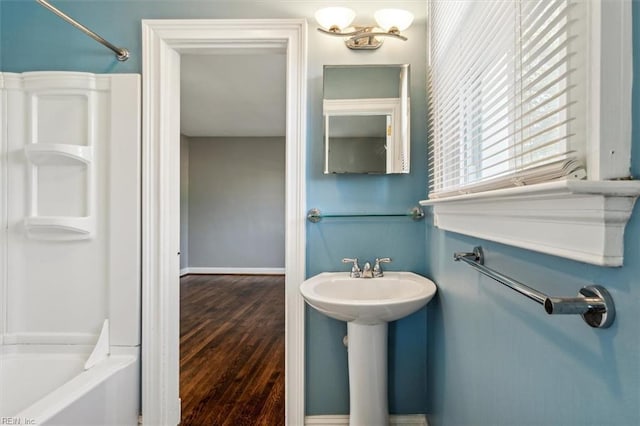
x: 506, y: 93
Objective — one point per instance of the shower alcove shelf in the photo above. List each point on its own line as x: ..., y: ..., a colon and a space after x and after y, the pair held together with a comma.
x: 60, y: 228
x: 59, y: 154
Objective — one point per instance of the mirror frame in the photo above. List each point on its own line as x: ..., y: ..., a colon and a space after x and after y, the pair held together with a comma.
x: 398, y: 109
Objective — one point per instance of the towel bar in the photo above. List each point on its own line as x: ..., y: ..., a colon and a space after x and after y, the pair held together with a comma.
x: 315, y: 215
x: 594, y: 302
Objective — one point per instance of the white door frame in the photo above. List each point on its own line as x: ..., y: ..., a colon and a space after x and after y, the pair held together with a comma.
x: 162, y: 43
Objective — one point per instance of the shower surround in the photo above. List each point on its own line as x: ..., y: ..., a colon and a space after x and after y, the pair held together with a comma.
x: 70, y: 247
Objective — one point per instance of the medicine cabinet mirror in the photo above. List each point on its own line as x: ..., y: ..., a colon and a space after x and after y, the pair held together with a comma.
x: 366, y: 118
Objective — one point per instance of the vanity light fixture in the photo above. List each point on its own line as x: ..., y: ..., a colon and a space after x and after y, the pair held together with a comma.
x: 335, y: 21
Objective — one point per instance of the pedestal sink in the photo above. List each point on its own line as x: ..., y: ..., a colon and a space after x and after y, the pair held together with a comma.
x: 367, y: 304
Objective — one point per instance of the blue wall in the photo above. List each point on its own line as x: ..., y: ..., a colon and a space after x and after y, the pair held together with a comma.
x: 32, y: 39
x: 495, y: 358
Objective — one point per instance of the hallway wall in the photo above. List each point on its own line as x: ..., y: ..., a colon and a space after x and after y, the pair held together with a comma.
x: 236, y: 203
x: 184, y: 202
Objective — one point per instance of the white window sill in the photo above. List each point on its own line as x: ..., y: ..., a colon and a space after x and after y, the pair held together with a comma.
x: 576, y: 219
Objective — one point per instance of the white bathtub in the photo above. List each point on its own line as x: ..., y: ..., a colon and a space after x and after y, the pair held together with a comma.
x: 47, y: 385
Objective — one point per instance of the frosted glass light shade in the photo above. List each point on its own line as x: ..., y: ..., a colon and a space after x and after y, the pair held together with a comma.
x: 393, y: 18
x: 332, y: 17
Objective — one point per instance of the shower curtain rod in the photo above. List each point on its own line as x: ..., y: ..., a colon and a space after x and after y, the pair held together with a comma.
x: 121, y: 53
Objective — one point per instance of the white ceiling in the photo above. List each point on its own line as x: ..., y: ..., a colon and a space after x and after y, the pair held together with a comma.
x: 232, y: 95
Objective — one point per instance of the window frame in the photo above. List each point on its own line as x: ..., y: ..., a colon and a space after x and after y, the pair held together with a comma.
x: 583, y: 220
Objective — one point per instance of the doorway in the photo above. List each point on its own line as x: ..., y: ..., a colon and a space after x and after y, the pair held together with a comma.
x: 164, y: 41
x: 232, y: 238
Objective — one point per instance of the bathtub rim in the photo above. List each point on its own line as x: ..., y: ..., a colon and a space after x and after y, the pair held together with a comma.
x: 62, y: 397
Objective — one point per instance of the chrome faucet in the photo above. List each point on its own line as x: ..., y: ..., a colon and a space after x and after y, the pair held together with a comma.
x: 377, y: 268
x: 367, y: 271
x: 355, y: 268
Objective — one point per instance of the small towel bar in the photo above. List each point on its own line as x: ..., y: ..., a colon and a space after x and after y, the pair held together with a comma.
x: 315, y: 215
x: 594, y: 302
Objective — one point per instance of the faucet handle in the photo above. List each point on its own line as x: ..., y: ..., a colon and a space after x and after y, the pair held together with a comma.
x: 377, y: 268
x: 355, y: 269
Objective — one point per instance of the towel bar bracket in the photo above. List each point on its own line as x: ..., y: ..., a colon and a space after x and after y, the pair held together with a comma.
x: 477, y: 255
x: 602, y: 313
x: 593, y: 303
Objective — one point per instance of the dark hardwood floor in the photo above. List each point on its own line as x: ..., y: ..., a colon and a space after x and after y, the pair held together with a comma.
x: 232, y: 350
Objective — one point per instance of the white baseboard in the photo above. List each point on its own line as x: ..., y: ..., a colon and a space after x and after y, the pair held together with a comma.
x: 394, y: 420
x: 232, y: 270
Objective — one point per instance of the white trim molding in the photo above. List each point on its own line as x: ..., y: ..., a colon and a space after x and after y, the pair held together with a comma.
x: 4, y: 235
x: 233, y: 271
x: 576, y: 219
x: 163, y: 41
x: 610, y: 82
x: 394, y: 420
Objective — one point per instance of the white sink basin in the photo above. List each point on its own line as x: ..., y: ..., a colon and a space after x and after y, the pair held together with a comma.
x: 367, y: 300
x: 367, y: 304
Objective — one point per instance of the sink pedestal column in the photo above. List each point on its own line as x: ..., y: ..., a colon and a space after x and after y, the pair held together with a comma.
x: 367, y: 349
